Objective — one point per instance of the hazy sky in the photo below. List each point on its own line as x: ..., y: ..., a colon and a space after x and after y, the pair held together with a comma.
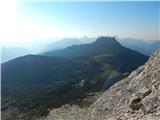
x: 31, y: 22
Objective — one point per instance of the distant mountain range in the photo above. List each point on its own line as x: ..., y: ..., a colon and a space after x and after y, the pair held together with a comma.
x: 100, y: 46
x: 36, y: 83
x: 151, y: 48
x: 142, y: 46
x: 63, y: 43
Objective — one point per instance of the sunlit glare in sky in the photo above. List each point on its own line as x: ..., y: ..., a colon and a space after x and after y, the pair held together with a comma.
x: 23, y: 23
x: 18, y: 29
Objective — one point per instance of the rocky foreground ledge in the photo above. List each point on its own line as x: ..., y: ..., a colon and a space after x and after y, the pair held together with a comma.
x: 136, y: 97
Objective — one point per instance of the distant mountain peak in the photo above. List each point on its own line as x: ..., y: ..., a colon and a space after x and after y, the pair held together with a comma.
x: 107, y: 40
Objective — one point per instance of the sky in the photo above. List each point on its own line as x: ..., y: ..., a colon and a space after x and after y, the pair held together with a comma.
x: 26, y: 23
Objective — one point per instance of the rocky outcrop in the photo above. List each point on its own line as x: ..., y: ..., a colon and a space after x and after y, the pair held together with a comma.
x: 136, y: 97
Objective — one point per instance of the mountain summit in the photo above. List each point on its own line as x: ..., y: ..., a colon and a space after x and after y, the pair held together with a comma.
x: 109, y: 41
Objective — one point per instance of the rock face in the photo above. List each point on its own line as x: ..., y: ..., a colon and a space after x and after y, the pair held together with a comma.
x: 136, y: 97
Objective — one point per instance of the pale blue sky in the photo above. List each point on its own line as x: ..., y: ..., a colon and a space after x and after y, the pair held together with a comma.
x: 30, y: 22
x: 126, y: 19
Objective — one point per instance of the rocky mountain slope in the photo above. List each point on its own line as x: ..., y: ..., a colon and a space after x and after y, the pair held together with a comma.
x: 136, y: 97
